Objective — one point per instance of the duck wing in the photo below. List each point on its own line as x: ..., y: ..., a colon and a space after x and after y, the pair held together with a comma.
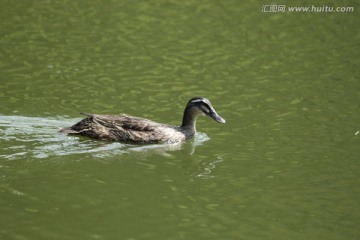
x: 125, y: 122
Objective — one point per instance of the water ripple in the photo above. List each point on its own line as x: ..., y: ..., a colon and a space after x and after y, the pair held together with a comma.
x: 24, y: 137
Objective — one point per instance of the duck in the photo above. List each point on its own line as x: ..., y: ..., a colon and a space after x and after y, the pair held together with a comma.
x: 137, y: 130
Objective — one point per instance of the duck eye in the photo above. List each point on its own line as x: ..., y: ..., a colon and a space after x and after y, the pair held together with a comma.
x: 205, y: 109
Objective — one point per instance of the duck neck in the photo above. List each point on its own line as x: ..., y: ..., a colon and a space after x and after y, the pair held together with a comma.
x: 189, y: 118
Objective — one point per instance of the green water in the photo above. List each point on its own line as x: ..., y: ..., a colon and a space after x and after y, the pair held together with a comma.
x: 284, y: 166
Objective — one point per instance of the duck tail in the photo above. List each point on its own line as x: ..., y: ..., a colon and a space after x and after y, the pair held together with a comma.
x: 88, y: 114
x: 68, y: 130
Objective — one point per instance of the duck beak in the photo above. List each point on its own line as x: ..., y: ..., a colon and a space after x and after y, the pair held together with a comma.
x: 213, y: 114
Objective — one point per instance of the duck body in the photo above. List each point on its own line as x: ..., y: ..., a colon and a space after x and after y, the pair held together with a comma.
x: 125, y: 128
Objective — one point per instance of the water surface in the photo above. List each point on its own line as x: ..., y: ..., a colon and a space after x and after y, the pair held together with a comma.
x: 284, y: 166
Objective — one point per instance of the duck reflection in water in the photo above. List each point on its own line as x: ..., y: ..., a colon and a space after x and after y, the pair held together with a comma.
x: 192, y: 164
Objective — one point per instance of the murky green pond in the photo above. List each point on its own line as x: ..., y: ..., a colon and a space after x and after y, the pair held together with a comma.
x: 284, y: 166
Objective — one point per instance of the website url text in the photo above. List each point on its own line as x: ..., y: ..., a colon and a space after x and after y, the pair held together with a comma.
x: 313, y: 9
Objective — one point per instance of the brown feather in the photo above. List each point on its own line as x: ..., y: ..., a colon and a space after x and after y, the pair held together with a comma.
x: 126, y: 128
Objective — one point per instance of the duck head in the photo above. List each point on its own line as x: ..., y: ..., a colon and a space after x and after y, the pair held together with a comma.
x: 199, y: 106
